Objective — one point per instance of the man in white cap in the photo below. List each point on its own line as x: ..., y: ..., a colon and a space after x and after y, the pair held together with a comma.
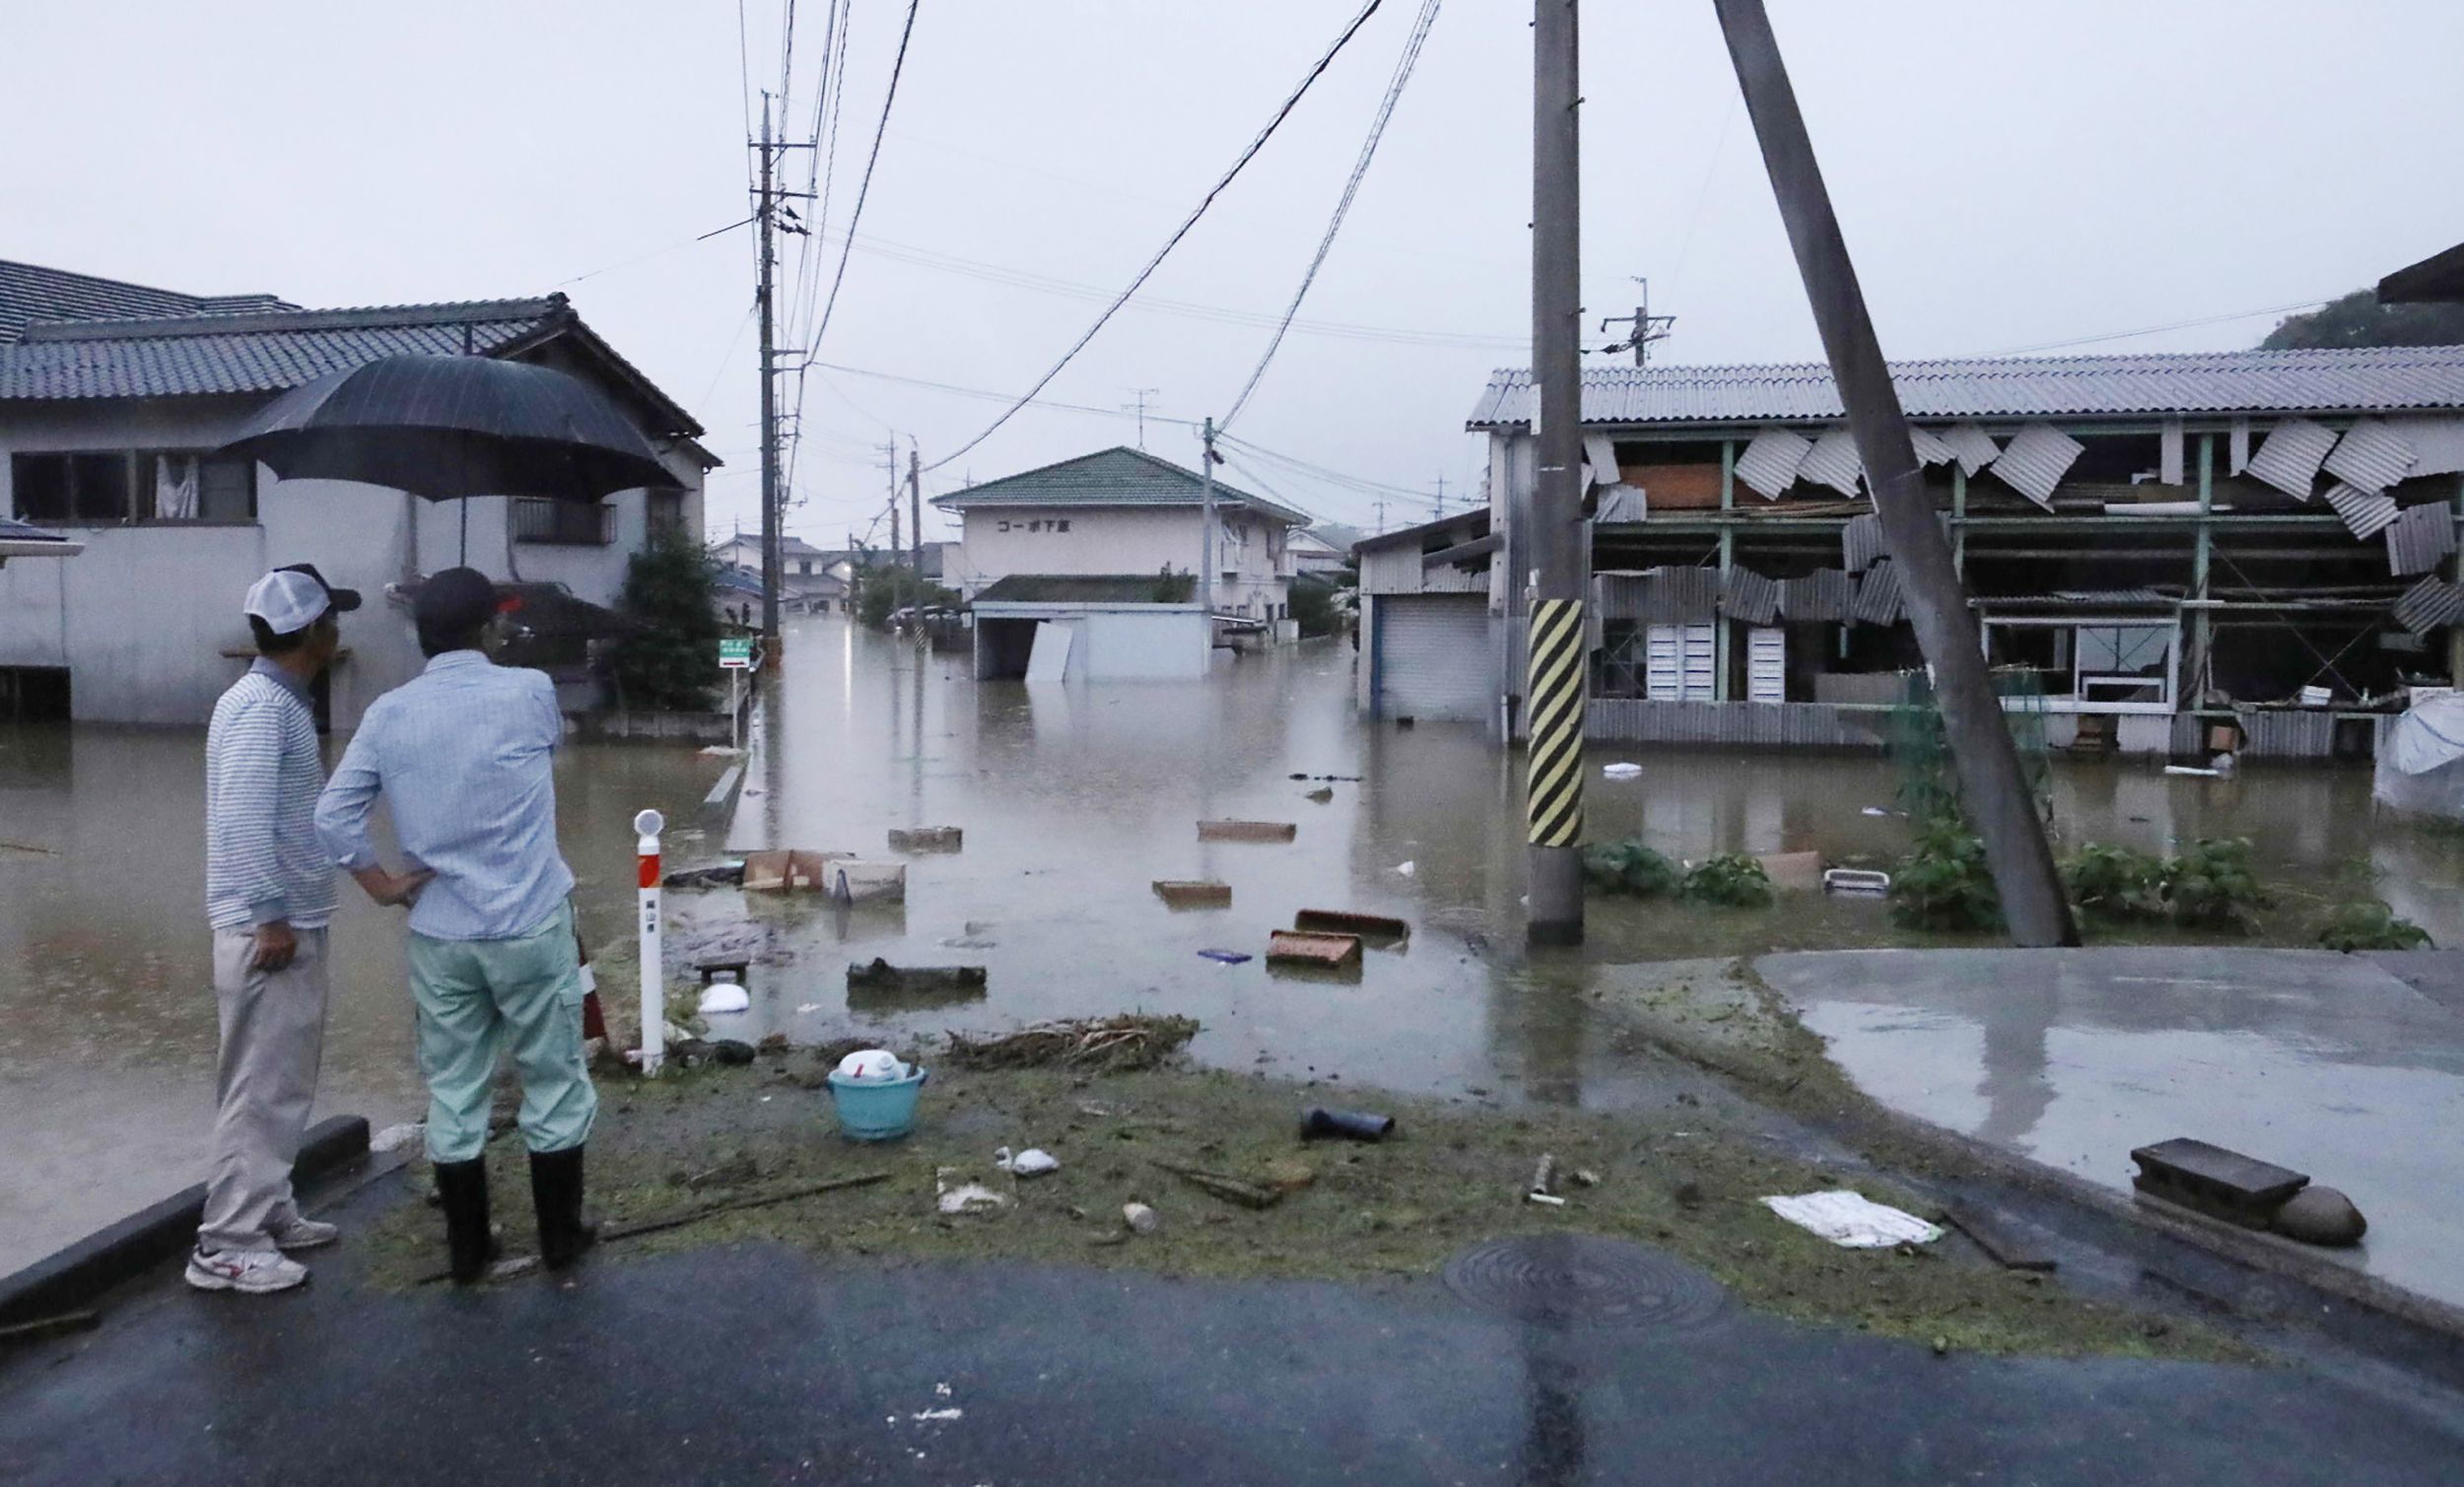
x: 269, y: 890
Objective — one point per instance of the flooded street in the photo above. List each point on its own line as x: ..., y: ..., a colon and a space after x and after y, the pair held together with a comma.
x: 1073, y: 798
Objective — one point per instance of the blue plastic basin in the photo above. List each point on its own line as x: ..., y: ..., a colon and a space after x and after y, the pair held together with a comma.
x: 869, y: 1112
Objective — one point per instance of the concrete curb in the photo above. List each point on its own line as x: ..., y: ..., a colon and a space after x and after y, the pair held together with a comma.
x: 75, y: 1276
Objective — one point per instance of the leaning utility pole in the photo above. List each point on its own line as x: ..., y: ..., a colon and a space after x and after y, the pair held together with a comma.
x: 915, y: 538
x: 1992, y: 788
x: 763, y: 213
x: 1553, y: 784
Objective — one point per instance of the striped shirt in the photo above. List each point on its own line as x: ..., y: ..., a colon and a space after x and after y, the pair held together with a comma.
x: 263, y: 860
x: 464, y: 755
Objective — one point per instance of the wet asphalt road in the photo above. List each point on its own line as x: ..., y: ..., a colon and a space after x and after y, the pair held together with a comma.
x: 762, y: 1365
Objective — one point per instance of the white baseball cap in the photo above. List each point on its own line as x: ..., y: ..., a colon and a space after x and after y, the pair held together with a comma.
x: 287, y: 600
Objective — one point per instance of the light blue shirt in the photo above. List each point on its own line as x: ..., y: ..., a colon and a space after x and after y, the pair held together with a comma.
x: 464, y: 756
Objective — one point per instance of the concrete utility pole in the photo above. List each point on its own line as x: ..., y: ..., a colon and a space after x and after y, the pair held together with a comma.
x: 1648, y: 328
x: 1995, y: 793
x: 915, y: 533
x: 1554, y: 757
x: 1143, y: 395
x: 764, y: 212
x: 1207, y: 531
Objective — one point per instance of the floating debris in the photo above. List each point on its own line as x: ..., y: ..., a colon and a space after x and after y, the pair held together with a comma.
x: 1367, y: 926
x: 1247, y: 831
x: 1194, y: 893
x: 1129, y: 1040
x: 927, y: 839
x: 1332, y: 952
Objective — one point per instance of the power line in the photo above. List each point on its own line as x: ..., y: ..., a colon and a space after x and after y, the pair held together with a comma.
x: 2150, y: 330
x: 1248, y: 155
x: 1343, y: 204
x: 863, y: 189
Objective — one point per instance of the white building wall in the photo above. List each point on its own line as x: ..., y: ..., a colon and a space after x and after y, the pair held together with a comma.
x: 142, y: 616
x: 1252, y: 567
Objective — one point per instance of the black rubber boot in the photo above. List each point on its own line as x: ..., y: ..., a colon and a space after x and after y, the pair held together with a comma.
x: 556, y: 1193
x: 462, y: 1192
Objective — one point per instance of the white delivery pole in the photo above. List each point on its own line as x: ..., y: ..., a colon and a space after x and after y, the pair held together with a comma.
x: 647, y: 825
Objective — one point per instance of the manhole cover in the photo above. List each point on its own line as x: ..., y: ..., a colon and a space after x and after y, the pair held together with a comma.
x: 1578, y: 1280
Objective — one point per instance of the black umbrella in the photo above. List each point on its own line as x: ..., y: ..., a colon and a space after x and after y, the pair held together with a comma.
x: 449, y: 427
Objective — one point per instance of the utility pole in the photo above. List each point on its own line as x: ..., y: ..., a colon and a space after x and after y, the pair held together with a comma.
x: 1648, y: 328
x: 1206, y: 532
x: 764, y: 212
x: 1380, y: 504
x: 1139, y: 407
x: 1441, y: 497
x: 1993, y: 790
x: 915, y: 532
x: 1553, y: 784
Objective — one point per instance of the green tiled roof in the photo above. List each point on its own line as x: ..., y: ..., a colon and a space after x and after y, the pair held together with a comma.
x: 1088, y: 589
x: 1119, y: 476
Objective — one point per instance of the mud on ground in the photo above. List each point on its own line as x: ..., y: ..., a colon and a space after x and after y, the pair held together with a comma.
x: 1452, y: 1176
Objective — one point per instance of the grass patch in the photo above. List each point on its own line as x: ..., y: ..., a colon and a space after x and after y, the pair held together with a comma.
x: 1452, y: 1177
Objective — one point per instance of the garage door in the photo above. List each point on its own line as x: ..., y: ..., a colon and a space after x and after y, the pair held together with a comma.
x: 1434, y: 663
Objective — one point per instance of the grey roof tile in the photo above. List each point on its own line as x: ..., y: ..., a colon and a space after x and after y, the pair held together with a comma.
x: 31, y: 293
x: 1119, y: 476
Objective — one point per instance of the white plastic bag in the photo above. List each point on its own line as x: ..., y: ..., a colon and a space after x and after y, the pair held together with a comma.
x: 1852, y: 1220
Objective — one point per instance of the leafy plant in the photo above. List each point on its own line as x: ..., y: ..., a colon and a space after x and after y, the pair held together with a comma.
x: 888, y: 589
x: 2118, y: 882
x: 1630, y: 867
x: 1942, y: 883
x: 2212, y: 883
x: 1313, y: 605
x: 1172, y: 588
x: 670, y: 660
x: 1733, y: 879
x: 2371, y: 926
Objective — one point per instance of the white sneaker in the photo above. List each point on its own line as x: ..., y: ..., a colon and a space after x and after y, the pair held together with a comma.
x: 297, y: 1233
x: 250, y: 1270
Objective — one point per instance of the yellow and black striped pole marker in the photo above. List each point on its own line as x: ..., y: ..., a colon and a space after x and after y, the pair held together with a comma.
x: 1553, y: 782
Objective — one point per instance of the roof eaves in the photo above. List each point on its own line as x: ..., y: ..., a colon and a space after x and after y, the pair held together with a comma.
x: 372, y: 318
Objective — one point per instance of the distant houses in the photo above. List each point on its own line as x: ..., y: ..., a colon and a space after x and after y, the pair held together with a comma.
x: 1107, y: 548
x: 112, y: 396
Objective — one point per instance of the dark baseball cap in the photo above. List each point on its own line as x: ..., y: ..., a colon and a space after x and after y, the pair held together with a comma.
x: 456, y: 599
x: 339, y: 600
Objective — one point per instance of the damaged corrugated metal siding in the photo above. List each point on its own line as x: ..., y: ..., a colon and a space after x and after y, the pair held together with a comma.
x: 1825, y: 594
x: 1778, y: 725
x: 2036, y: 460
x: 2363, y: 512
x: 2290, y: 457
x: 1771, y: 461
x: 2419, y: 537
x: 2429, y: 604
x: 1750, y: 597
x: 1861, y: 542
x: 2370, y: 456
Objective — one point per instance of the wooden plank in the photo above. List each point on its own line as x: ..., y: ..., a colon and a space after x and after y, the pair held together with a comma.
x: 1368, y: 926
x: 927, y: 839
x: 1247, y: 831
x: 1333, y: 952
x: 1194, y: 893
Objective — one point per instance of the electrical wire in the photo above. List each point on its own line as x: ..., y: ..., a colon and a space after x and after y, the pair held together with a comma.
x: 1248, y: 155
x: 1343, y: 204
x: 2152, y: 330
x: 897, y: 66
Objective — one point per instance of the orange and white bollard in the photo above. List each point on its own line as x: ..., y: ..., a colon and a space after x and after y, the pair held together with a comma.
x: 647, y: 825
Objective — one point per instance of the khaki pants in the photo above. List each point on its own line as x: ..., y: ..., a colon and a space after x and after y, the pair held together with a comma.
x: 478, y: 997
x: 273, y: 1037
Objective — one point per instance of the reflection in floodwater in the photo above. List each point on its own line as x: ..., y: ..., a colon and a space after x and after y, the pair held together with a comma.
x: 1074, y: 798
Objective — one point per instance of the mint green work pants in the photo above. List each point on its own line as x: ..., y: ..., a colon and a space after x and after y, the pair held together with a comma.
x: 477, y: 997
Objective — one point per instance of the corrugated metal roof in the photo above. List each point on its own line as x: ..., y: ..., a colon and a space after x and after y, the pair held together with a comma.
x: 2370, y: 456
x: 1771, y: 460
x: 2290, y: 457
x: 1833, y: 461
x: 1878, y: 595
x: 1861, y: 542
x: 2343, y: 380
x: 1971, y: 446
x: 2419, y: 537
x: 2034, y: 461
x: 2365, y: 512
x: 1825, y: 594
x: 1119, y: 476
x: 1750, y: 597
x: 2429, y: 604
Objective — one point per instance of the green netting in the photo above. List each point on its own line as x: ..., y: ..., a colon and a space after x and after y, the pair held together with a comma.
x: 1920, y: 750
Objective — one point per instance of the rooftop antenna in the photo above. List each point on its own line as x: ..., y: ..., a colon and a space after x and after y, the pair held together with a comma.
x: 1139, y: 407
x: 1648, y: 328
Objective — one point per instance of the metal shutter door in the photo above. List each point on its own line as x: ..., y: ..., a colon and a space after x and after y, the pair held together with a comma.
x: 1434, y: 658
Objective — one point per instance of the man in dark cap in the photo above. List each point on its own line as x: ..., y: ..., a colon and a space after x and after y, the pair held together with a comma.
x: 269, y: 896
x: 463, y: 755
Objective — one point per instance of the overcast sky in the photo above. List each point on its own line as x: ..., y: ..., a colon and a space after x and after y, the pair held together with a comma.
x: 2009, y: 174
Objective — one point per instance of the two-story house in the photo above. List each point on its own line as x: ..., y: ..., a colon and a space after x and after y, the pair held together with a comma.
x: 112, y: 398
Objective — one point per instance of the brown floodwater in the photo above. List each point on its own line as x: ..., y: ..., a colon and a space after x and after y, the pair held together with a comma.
x: 1073, y: 800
